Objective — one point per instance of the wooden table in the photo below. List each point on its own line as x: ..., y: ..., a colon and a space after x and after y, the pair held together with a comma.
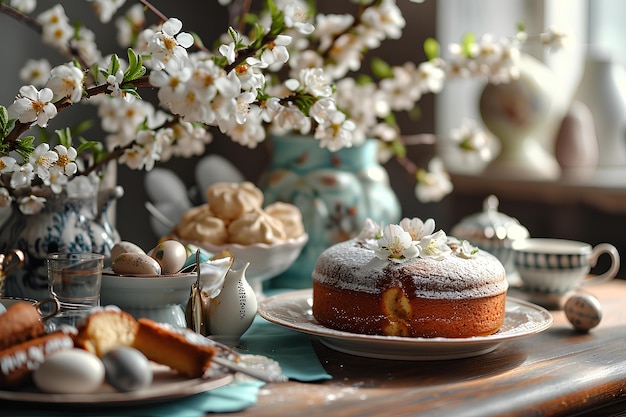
x: 557, y: 372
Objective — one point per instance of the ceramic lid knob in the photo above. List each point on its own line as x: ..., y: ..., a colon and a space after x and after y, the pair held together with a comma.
x: 584, y: 311
x: 490, y: 225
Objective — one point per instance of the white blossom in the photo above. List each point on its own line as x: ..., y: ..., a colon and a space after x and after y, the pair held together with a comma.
x: 22, y: 175
x: 105, y: 9
x: 24, y: 6
x: 434, y: 184
x: 395, y: 245
x: 435, y: 246
x: 169, y: 44
x: 5, y: 198
x: 66, y: 159
x: 43, y: 159
x: 418, y: 228
x: 66, y: 81
x: 7, y: 164
x: 33, y: 106
x: 56, y: 29
x: 32, y: 204
x: 36, y: 72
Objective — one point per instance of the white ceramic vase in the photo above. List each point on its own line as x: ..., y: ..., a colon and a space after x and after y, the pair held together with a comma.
x: 231, y: 313
x: 521, y: 115
x: 603, y: 89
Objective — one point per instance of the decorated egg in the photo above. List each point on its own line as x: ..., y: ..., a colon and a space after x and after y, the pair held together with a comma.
x: 171, y: 255
x: 127, y: 369
x: 136, y: 264
x: 124, y: 247
x: 73, y: 371
x: 584, y: 311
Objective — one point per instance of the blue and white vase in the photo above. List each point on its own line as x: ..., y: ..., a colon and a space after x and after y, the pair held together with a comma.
x: 64, y: 225
x: 336, y: 192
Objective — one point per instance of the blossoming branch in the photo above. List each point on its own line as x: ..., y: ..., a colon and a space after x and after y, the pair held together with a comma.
x: 289, y: 69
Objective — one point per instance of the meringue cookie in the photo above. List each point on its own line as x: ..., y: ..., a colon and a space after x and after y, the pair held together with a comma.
x: 256, y: 227
x: 289, y: 215
x: 231, y: 200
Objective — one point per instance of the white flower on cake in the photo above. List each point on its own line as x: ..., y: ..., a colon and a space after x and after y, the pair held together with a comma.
x: 412, y: 238
x: 395, y: 244
x: 370, y: 231
x: 417, y: 228
x: 435, y: 246
x: 466, y: 250
x: 463, y: 249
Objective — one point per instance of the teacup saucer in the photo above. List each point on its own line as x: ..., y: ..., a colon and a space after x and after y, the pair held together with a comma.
x: 551, y: 301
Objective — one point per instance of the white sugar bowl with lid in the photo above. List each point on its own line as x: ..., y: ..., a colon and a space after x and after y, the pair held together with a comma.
x: 493, y: 232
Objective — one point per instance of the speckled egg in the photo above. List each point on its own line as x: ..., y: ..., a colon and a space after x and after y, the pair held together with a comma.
x: 73, y: 371
x: 584, y: 311
x: 171, y: 255
x: 124, y: 247
x: 127, y: 369
x: 136, y: 264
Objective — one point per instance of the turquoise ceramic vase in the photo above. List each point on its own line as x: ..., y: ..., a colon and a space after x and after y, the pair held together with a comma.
x: 336, y: 192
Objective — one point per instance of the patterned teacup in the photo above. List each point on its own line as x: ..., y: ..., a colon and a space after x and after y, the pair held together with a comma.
x: 554, y: 267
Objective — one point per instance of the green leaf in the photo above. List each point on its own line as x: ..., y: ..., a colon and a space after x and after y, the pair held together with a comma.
x: 278, y: 19
x: 64, y: 136
x: 468, y: 40
x: 135, y: 66
x: 82, y: 127
x: 4, y: 118
x: 363, y: 79
x: 25, y: 147
x: 398, y: 148
x: 94, y: 70
x: 233, y: 34
x: 114, y: 64
x: 381, y: 69
x: 92, y: 145
x: 431, y: 48
x: 133, y: 92
x: 197, y: 39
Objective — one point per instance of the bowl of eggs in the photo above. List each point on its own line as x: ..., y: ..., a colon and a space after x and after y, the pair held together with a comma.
x: 150, y: 284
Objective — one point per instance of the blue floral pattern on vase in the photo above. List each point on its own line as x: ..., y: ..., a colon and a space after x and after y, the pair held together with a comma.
x: 336, y: 192
x: 64, y: 225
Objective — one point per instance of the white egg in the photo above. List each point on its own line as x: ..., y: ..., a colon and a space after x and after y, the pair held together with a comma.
x: 73, y: 371
x: 124, y: 247
x: 135, y: 264
x: 171, y: 255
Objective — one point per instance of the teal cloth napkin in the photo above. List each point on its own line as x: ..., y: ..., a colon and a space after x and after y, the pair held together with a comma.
x: 291, y: 349
x: 230, y: 398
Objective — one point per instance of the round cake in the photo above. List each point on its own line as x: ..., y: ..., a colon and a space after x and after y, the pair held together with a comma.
x: 448, y: 289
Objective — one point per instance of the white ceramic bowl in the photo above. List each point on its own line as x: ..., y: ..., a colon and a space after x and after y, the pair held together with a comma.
x: 145, y: 291
x: 160, y: 298
x: 266, y: 261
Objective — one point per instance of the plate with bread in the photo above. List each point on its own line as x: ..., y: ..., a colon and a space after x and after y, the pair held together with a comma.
x: 293, y: 310
x: 111, y: 358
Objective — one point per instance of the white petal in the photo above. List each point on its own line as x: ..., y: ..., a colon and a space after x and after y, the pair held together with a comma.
x: 172, y: 26
x: 185, y: 40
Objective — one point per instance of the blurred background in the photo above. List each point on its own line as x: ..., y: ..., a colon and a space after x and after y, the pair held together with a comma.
x: 592, y: 209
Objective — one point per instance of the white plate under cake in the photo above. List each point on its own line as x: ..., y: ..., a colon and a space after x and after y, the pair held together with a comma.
x: 293, y: 310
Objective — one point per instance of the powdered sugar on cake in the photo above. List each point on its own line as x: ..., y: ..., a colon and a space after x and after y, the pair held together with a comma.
x: 440, y: 266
